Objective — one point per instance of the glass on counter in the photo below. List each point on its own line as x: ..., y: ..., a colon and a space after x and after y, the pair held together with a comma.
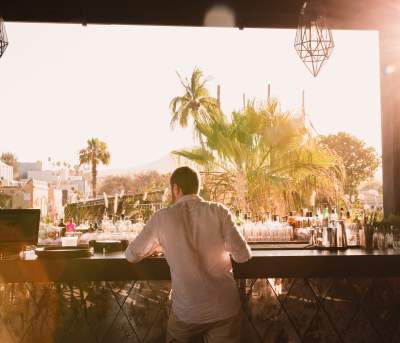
x: 108, y: 230
x: 382, y: 241
x: 267, y: 231
x: 396, y: 237
x: 120, y: 230
x: 353, y: 233
x: 367, y: 236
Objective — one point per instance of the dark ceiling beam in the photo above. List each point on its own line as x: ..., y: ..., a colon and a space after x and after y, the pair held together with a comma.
x: 343, y: 14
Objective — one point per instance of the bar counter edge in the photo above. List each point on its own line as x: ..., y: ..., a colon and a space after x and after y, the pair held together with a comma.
x: 276, y: 263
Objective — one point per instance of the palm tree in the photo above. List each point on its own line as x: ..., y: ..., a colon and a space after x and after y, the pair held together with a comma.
x: 95, y: 153
x: 196, y: 103
x: 266, y: 155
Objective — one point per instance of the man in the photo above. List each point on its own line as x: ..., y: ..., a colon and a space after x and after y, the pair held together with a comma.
x: 198, y: 238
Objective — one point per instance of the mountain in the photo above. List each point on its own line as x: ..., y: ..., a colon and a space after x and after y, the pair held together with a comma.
x: 163, y: 165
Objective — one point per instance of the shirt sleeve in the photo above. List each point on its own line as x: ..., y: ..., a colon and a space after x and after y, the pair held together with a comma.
x: 235, y: 244
x: 145, y: 243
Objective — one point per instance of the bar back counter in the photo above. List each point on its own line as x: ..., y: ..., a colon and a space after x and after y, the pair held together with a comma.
x: 287, y: 296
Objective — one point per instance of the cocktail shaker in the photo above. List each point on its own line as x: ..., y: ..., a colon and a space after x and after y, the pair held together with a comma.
x: 341, y: 234
x: 334, y: 235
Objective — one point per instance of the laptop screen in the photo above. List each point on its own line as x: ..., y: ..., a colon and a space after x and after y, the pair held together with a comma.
x: 19, y: 226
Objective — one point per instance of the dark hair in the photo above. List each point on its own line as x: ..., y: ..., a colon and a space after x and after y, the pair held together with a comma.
x: 186, y: 179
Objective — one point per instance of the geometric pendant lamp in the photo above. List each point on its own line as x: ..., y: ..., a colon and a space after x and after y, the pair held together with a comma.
x: 314, y: 41
x: 3, y: 37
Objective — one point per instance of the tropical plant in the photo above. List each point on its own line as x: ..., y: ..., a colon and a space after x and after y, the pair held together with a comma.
x: 95, y: 153
x: 195, y: 103
x: 267, y: 155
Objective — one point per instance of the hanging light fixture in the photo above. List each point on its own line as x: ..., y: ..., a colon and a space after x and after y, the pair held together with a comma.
x: 3, y: 37
x: 314, y: 42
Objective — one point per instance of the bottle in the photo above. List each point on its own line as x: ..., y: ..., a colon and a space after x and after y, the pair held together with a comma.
x: 292, y: 219
x: 238, y: 219
x: 318, y: 218
x: 309, y: 219
x: 348, y: 217
x: 62, y: 226
x: 341, y: 214
x: 325, y: 217
x: 334, y: 215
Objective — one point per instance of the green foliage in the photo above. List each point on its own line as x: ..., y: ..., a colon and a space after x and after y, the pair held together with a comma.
x: 139, y: 183
x: 95, y: 153
x: 267, y: 155
x: 150, y: 181
x: 112, y: 185
x: 360, y: 162
x: 10, y: 159
x: 129, y: 205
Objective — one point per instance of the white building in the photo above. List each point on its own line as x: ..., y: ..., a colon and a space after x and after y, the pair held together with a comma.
x: 75, y: 186
x: 24, y: 167
x: 81, y: 185
x: 6, y: 174
x: 43, y: 175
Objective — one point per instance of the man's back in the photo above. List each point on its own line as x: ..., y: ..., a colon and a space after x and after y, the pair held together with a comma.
x: 197, y: 237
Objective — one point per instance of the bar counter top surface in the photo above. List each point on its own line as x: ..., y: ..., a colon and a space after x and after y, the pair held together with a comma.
x: 264, y: 263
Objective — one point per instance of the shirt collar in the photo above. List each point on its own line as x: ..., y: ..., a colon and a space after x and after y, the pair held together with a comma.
x: 188, y: 197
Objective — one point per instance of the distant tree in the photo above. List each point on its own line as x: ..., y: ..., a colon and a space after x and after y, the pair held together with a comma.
x: 360, y: 162
x: 150, y: 181
x: 10, y: 159
x: 95, y: 153
x: 112, y: 185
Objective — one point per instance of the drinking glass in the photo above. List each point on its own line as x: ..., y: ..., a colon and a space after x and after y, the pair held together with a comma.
x: 382, y: 241
x: 353, y: 234
x: 367, y: 240
x: 396, y: 237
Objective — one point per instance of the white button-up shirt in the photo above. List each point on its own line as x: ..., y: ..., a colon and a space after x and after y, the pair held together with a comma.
x: 198, y: 238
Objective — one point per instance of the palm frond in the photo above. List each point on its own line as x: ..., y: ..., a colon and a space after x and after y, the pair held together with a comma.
x: 198, y: 155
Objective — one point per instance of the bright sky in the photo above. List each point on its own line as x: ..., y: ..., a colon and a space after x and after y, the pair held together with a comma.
x: 62, y: 84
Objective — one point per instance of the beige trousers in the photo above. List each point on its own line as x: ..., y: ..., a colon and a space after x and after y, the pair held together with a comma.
x: 223, y: 331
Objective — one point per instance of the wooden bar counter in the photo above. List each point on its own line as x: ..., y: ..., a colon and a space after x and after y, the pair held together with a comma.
x: 264, y: 263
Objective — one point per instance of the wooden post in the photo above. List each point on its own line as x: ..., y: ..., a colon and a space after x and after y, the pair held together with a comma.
x: 390, y: 120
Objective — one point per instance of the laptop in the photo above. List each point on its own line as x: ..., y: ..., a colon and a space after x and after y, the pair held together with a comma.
x: 19, y: 227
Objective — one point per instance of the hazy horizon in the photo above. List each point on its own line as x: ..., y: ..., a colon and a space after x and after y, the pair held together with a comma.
x: 63, y: 84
